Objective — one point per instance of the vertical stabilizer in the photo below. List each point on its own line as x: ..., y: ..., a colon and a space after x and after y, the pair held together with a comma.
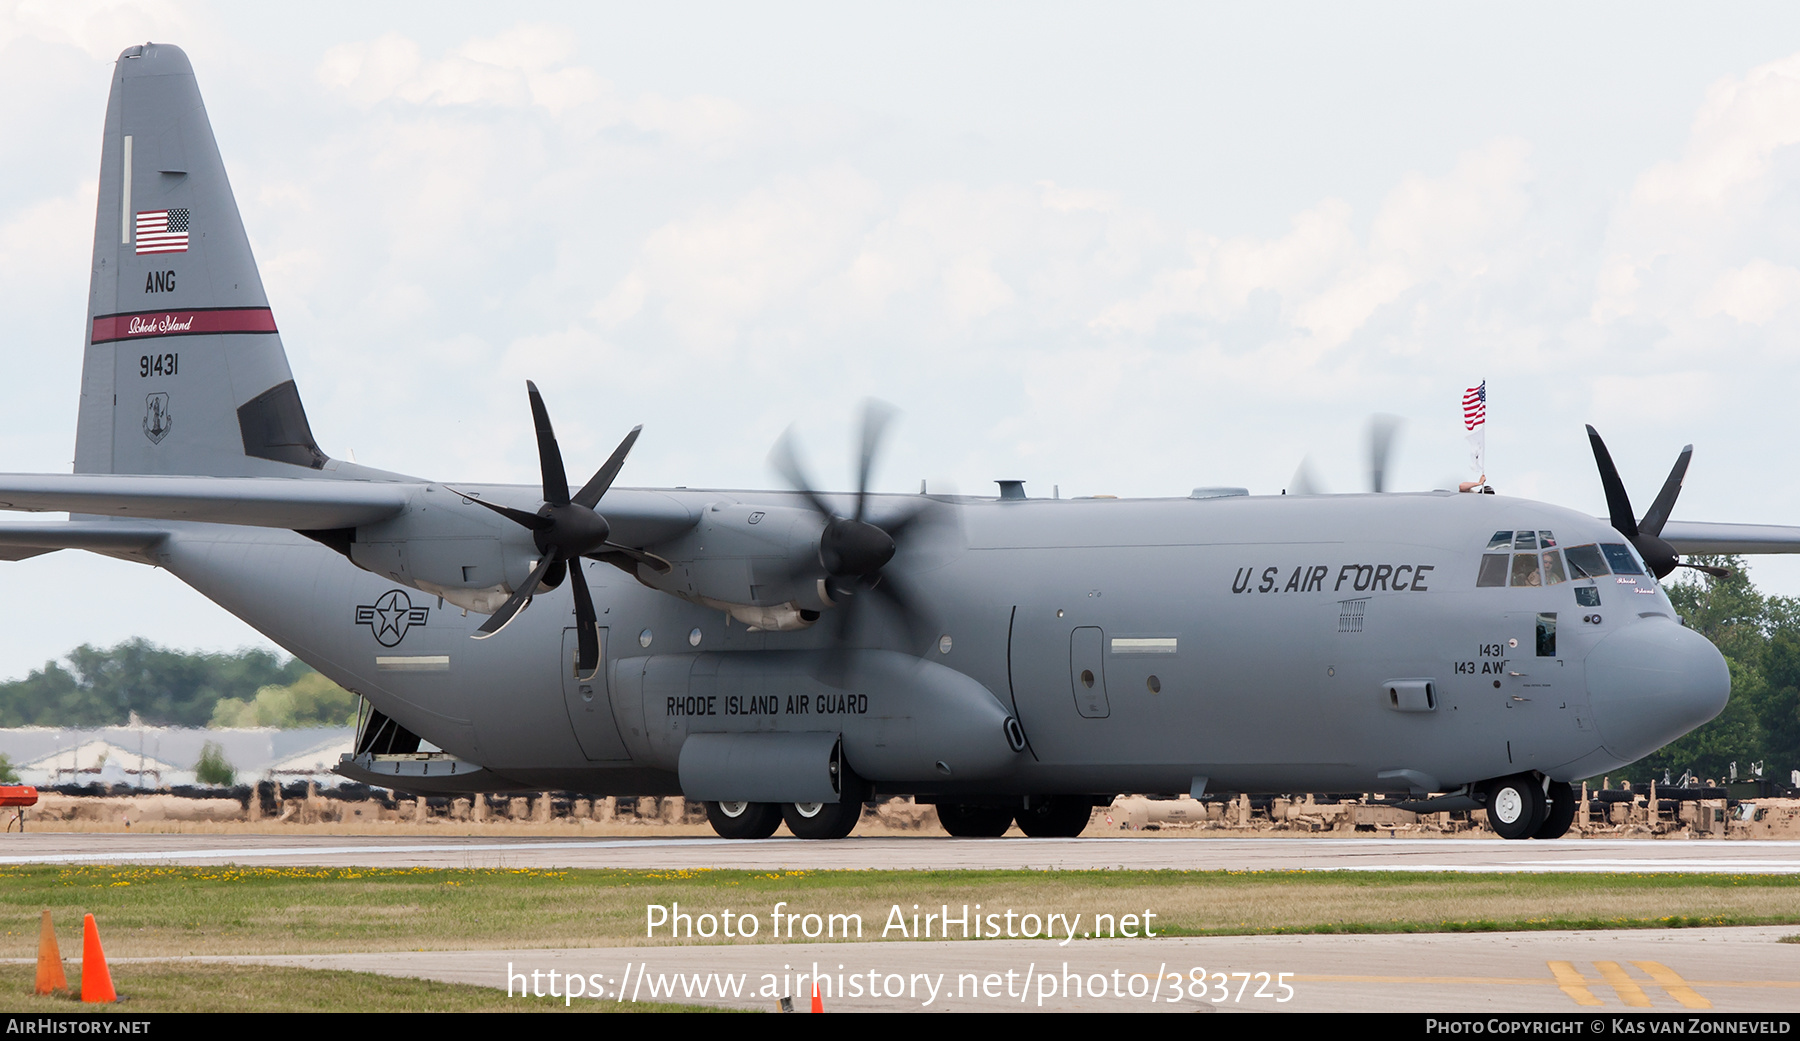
x: 185, y: 372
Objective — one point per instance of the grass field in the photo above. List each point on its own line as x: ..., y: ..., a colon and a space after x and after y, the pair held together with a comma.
x: 149, y: 911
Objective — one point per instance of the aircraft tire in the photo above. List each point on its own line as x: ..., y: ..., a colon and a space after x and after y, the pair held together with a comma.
x: 743, y: 820
x: 1056, y: 817
x: 974, y: 822
x: 822, y: 820
x: 1516, y: 806
x: 1561, y: 813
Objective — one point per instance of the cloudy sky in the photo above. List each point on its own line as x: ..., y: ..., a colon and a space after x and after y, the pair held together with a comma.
x: 1123, y: 253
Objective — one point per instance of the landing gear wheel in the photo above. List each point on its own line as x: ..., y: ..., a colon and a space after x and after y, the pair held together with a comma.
x: 974, y: 822
x: 1561, y: 813
x: 1055, y: 817
x: 1516, y: 806
x: 743, y: 820
x: 822, y: 820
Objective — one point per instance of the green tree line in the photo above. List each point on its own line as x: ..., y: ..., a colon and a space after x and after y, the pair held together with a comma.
x: 93, y: 686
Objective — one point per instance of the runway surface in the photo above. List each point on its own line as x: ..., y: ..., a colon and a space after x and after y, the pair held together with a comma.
x: 1581, y: 973
x: 921, y: 853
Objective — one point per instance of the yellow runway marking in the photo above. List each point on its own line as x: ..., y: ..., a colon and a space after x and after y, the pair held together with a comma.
x: 1626, y: 987
x: 1580, y: 988
x: 1677, y: 987
x: 1573, y: 983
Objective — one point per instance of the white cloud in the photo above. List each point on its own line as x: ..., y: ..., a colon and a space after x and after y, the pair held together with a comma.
x: 1687, y: 221
x: 1754, y: 293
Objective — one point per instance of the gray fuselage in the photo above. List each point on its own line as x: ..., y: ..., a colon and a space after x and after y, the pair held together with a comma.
x: 1306, y: 643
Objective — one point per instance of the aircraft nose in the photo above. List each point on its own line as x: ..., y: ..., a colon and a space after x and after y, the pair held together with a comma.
x: 1652, y: 682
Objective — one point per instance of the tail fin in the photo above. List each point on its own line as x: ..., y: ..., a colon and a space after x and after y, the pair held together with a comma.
x: 184, y: 373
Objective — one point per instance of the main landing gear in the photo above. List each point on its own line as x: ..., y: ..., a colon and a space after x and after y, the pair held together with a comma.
x: 807, y: 820
x: 1042, y: 817
x: 744, y: 820
x: 1529, y: 806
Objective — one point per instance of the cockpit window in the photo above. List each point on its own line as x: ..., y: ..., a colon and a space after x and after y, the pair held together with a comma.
x: 1619, y: 556
x: 1546, y: 540
x: 1501, y: 540
x: 1525, y: 570
x: 1553, y: 568
x: 1493, y: 569
x: 1586, y: 562
x: 1525, y: 540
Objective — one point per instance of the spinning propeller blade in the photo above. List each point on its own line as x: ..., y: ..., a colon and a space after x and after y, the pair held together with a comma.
x: 855, y: 550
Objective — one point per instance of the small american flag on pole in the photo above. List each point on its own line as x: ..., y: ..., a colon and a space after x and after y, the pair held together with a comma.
x: 1475, y: 406
x: 162, y: 231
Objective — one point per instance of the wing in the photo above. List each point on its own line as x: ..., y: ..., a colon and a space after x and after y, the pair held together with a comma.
x: 22, y: 539
x: 266, y: 502
x: 1704, y: 537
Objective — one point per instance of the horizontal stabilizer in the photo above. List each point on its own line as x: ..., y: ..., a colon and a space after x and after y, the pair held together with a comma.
x: 1725, y: 539
x: 266, y: 502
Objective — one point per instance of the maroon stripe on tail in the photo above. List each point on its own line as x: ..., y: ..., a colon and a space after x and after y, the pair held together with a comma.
x: 139, y: 325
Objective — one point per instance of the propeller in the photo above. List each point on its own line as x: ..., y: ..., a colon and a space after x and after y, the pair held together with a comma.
x: 854, y: 550
x: 1382, y: 429
x: 1646, y: 534
x: 566, y: 528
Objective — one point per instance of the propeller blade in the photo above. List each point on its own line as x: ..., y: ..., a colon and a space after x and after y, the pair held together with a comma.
x: 534, y: 521
x: 510, y: 610
x: 787, y: 464
x: 650, y: 560
x: 587, y: 633
x: 597, y: 486
x: 1714, y: 571
x: 1665, y: 500
x: 550, y: 460
x: 1304, y: 483
x: 1381, y: 445
x: 1618, y: 504
x: 906, y: 605
x: 876, y: 415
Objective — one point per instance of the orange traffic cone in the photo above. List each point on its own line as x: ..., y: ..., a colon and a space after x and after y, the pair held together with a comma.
x: 818, y: 1006
x: 50, y: 968
x: 96, y: 980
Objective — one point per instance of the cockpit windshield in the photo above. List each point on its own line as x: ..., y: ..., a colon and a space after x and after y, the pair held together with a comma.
x: 1621, y: 559
x: 1586, y: 562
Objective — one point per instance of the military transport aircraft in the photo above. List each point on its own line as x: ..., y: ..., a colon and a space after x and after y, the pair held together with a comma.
x: 784, y: 655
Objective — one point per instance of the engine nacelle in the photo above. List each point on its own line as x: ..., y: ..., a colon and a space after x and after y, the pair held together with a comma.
x: 758, y: 563
x: 447, y: 546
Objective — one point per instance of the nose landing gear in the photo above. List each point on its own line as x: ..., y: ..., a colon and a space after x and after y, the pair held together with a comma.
x: 1516, y: 805
x: 1528, y: 806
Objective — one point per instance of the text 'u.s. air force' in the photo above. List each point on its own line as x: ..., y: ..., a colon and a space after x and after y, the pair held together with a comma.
x: 1310, y: 578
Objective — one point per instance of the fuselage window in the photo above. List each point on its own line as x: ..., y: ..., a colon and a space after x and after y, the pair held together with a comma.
x: 1619, y: 556
x: 1493, y: 570
x: 1553, y: 569
x: 1586, y: 562
x: 1546, y: 635
x: 1525, y: 570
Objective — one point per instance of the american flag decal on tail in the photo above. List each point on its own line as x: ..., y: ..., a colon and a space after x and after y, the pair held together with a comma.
x: 162, y: 231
